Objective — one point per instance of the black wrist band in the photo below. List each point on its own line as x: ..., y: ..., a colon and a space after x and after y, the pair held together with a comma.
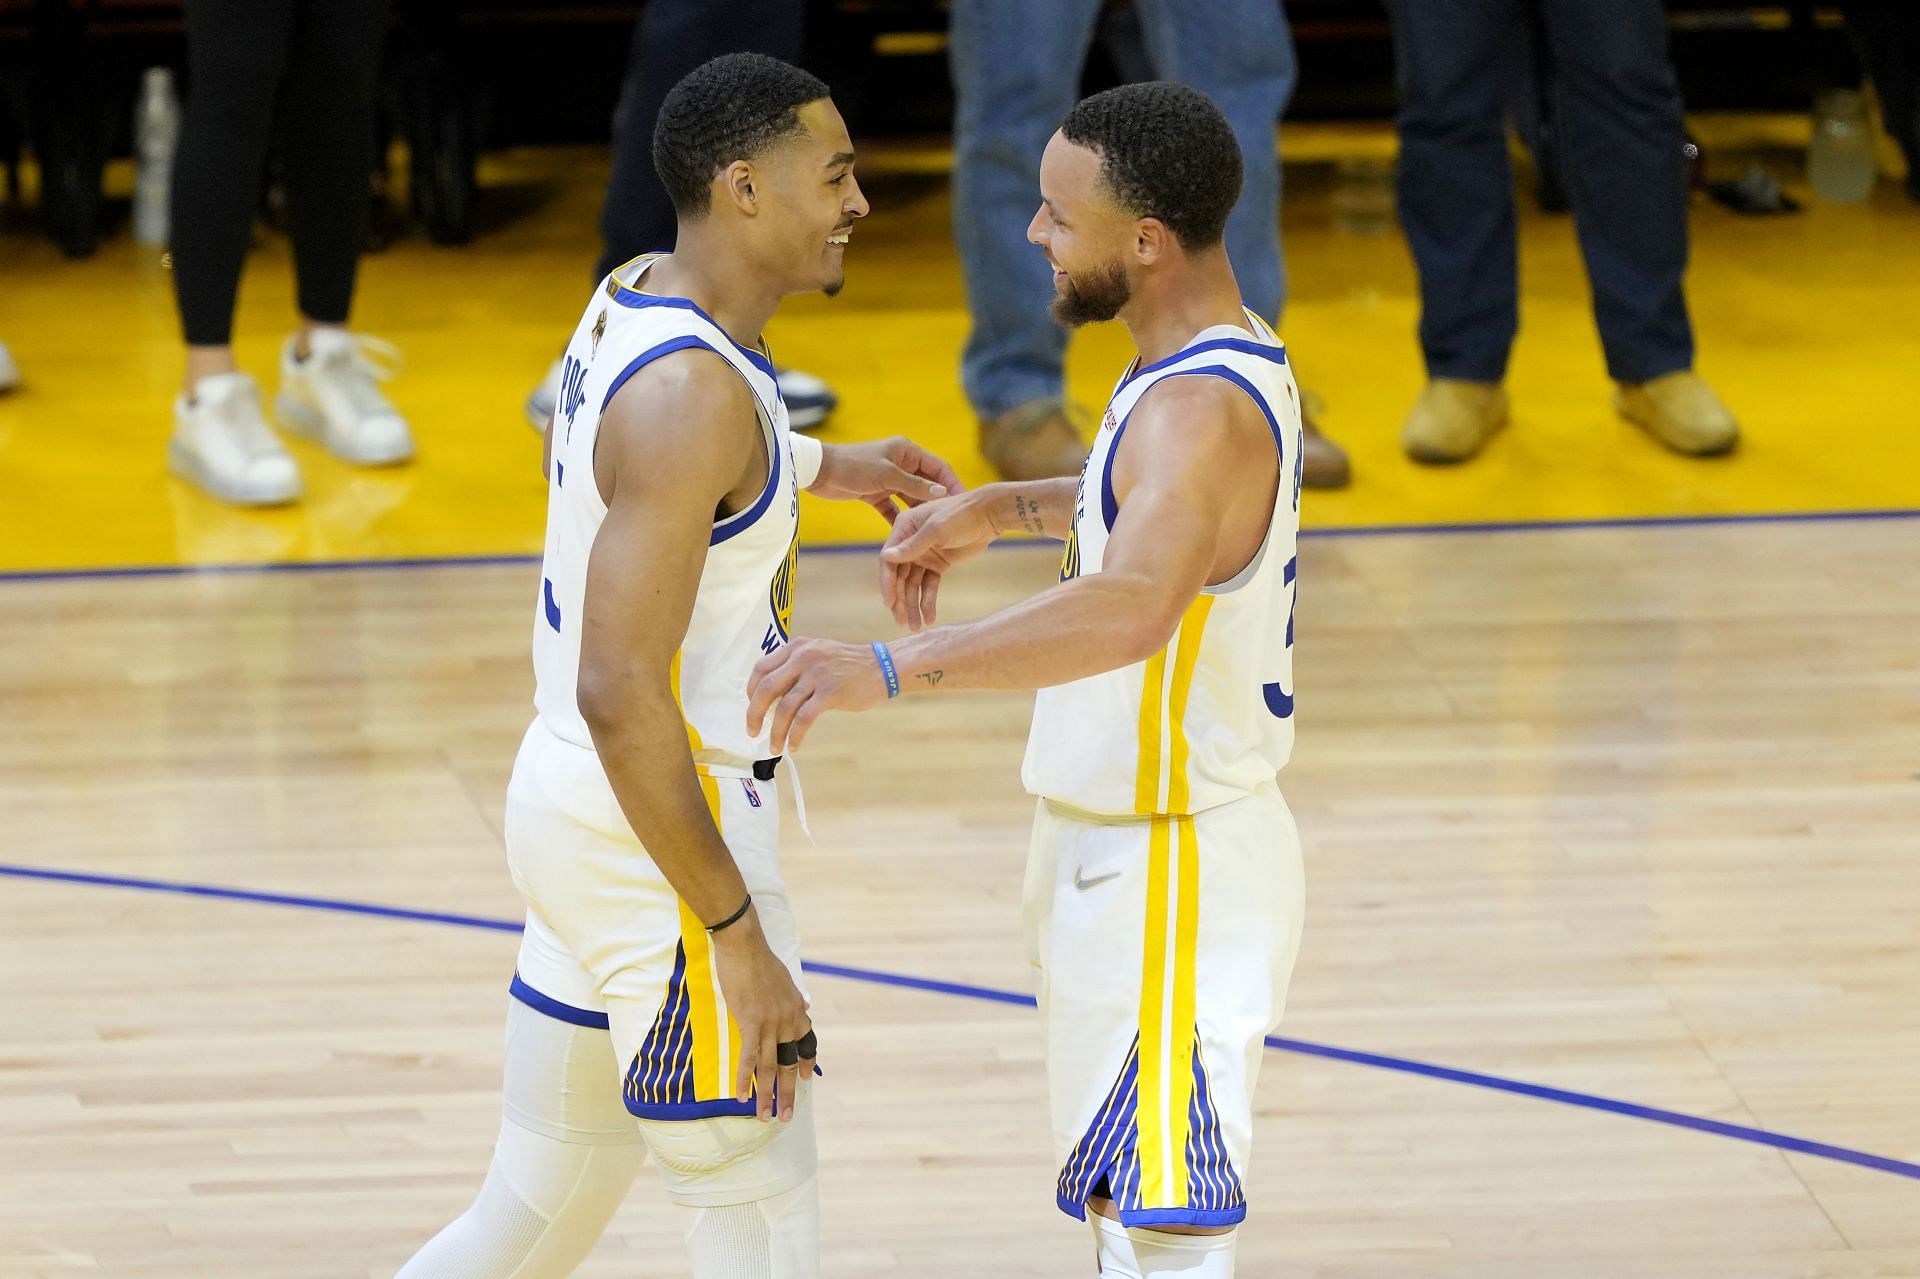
x: 733, y: 918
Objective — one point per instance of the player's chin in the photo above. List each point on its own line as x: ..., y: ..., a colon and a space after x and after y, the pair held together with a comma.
x: 835, y: 282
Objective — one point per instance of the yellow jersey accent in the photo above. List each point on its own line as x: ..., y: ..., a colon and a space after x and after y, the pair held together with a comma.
x: 1208, y: 719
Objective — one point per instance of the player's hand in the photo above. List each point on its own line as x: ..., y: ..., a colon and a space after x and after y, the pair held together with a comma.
x: 926, y: 542
x: 770, y: 1011
x: 800, y: 682
x: 878, y: 472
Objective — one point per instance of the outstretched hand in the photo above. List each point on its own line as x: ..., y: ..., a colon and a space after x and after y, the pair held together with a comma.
x: 881, y: 471
x: 797, y: 683
x: 927, y: 541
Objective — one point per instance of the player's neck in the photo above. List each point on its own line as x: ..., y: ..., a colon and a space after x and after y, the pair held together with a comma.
x: 722, y: 284
x: 1166, y: 312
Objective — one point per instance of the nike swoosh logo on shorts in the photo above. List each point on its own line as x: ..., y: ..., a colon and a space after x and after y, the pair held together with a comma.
x: 1084, y: 884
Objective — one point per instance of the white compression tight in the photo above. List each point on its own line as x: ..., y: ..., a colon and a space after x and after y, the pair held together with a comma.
x: 568, y: 1151
x: 1156, y: 1254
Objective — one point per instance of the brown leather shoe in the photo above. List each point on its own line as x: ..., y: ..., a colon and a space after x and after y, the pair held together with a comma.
x: 1326, y: 462
x: 1681, y: 411
x: 1037, y: 441
x: 1453, y: 419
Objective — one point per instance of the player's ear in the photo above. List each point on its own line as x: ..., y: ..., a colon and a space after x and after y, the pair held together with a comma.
x: 737, y: 180
x: 1151, y: 240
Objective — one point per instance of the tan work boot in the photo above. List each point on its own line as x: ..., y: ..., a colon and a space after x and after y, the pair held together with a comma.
x: 1326, y: 465
x: 1037, y: 441
x: 1681, y: 411
x: 1453, y: 419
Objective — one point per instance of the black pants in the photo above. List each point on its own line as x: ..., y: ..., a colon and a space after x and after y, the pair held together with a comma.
x: 317, y: 60
x: 1617, y: 117
x: 671, y: 38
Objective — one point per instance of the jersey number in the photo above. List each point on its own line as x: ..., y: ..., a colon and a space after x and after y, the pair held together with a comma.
x: 1280, y: 700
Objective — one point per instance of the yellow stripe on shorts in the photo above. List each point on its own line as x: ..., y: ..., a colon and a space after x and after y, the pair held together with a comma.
x: 1167, y: 1011
x: 1172, y: 924
x: 716, y: 1036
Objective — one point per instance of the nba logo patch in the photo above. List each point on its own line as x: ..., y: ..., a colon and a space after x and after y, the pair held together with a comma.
x: 1107, y: 423
x: 753, y: 792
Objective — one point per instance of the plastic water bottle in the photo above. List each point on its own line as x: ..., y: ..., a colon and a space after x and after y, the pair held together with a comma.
x: 1840, y: 162
x: 156, y: 131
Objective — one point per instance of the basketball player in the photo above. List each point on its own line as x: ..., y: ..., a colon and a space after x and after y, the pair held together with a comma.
x: 1164, y: 893
x: 655, y: 1000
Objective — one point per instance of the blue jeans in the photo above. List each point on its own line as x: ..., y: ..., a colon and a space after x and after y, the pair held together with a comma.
x: 1015, y: 77
x: 1617, y: 118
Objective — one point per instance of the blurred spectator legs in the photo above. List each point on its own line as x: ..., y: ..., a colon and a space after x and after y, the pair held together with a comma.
x: 671, y: 38
x: 314, y: 63
x: 1014, y: 82
x: 1618, y: 119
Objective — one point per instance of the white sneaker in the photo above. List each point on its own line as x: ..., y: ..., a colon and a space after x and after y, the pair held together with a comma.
x: 542, y: 400
x: 9, y: 371
x: 222, y: 445
x: 331, y: 398
x: 810, y: 401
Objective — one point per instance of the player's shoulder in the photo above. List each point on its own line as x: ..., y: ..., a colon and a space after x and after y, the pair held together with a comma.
x: 681, y: 388
x: 1196, y: 409
x: 689, y: 404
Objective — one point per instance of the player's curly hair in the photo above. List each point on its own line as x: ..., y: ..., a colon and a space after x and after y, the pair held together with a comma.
x: 735, y: 107
x: 1166, y: 152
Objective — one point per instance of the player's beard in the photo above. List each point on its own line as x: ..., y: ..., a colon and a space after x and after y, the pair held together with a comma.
x: 1099, y: 296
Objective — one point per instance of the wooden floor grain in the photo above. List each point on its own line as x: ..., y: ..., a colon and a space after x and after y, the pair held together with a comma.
x: 1631, y: 812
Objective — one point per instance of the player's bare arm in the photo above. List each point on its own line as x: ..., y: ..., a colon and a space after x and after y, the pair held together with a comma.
x: 1191, y: 512
x: 880, y: 471
x: 641, y: 579
x: 929, y: 540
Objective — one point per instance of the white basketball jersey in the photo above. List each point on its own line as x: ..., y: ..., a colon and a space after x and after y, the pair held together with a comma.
x: 743, y: 608
x: 1209, y: 718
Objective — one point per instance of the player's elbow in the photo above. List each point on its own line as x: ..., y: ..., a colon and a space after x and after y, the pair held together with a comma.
x: 598, y: 696
x: 611, y: 697
x: 1149, y: 627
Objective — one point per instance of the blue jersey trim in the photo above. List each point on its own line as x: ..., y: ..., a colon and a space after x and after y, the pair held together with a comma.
x: 686, y: 341
x: 634, y: 299
x: 736, y: 524
x: 554, y: 1008
x: 1110, y: 505
x: 689, y: 1109
x: 1150, y: 1217
x: 1247, y: 346
x: 698, y: 1109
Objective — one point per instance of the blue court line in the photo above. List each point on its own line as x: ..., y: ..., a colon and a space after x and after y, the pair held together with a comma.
x: 964, y: 990
x: 871, y: 548
x: 264, y: 899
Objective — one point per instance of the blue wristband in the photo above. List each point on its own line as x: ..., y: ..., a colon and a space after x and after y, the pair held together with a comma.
x: 887, y: 668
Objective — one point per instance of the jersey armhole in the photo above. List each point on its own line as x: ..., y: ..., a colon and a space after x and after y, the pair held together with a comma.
x: 1110, y: 505
x: 722, y: 528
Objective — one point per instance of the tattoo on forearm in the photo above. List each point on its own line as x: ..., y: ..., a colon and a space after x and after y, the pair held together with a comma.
x: 1028, y: 509
x: 933, y: 678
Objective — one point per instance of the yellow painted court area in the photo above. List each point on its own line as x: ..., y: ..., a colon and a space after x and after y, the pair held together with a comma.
x: 1809, y: 326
